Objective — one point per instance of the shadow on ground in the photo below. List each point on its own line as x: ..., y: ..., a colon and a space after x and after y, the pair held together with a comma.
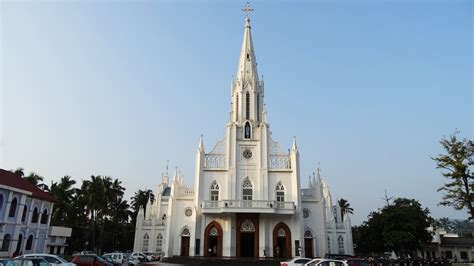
x: 206, y: 261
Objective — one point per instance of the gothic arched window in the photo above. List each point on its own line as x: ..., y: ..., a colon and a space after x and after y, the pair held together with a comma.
x: 280, y: 192
x: 23, y: 216
x: 214, y: 191
x: 159, y: 242
x: 340, y: 244
x: 247, y: 226
x: 258, y: 107
x: 29, y: 243
x: 247, y: 190
x: 247, y: 106
x: 146, y: 241
x: 13, y: 208
x: 1, y: 201
x: 44, y: 217
x: 237, y: 107
x: 6, y: 242
x: 34, y: 218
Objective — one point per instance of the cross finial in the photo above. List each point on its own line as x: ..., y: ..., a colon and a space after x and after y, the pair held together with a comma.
x: 247, y: 9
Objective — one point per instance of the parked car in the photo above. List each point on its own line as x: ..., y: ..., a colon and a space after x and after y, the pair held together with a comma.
x: 295, y: 261
x: 141, y: 256
x: 53, y: 260
x: 110, y: 260
x: 37, y: 261
x: 117, y: 257
x: 5, y: 262
x: 357, y: 262
x: 152, y: 256
x: 90, y: 260
x: 326, y: 262
x: 133, y: 261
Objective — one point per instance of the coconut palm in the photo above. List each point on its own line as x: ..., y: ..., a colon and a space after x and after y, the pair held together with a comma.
x: 63, y: 192
x: 345, y: 207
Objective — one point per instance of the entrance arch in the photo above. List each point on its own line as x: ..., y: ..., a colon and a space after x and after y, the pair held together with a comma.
x: 213, y: 240
x: 281, y: 241
x: 308, y: 244
x: 185, y: 239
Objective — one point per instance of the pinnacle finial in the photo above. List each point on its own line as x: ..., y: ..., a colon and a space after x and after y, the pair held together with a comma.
x: 201, y: 142
x: 294, y: 147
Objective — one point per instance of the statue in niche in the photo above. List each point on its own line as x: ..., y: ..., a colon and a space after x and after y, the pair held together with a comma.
x: 247, y: 130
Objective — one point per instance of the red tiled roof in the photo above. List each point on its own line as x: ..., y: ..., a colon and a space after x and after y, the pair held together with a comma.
x: 10, y: 179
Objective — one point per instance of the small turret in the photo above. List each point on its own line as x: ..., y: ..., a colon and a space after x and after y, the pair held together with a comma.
x: 165, y: 177
x: 294, y: 147
x: 201, y: 144
x: 148, y: 208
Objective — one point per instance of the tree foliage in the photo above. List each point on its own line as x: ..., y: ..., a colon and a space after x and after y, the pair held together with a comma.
x: 95, y: 209
x: 456, y: 164
x: 401, y: 227
x: 345, y: 207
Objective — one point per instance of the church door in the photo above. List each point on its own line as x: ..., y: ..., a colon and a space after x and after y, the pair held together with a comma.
x: 213, y: 240
x: 184, y: 245
x: 308, y: 247
x: 247, y: 241
x: 247, y: 235
x: 281, y: 241
x: 185, y: 238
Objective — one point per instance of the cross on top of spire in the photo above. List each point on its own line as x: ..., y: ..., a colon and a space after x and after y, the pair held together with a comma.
x: 247, y: 9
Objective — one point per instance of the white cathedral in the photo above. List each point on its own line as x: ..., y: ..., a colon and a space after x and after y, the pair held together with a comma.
x: 247, y: 199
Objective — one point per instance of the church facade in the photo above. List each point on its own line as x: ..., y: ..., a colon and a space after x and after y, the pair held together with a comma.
x: 247, y: 199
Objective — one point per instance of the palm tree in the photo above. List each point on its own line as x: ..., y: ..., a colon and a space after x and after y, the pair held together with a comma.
x: 33, y: 178
x: 19, y: 171
x: 140, y: 199
x: 63, y: 192
x: 93, y: 200
x: 345, y: 207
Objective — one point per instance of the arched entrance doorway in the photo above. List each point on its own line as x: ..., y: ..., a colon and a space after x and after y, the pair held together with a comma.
x: 281, y: 241
x: 247, y: 235
x: 308, y: 244
x: 185, y: 238
x: 213, y: 240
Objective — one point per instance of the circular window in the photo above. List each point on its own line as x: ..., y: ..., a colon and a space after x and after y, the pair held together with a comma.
x: 188, y: 212
x: 306, y: 213
x: 247, y: 154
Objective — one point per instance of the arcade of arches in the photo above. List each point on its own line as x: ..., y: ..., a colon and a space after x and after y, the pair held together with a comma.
x: 247, y: 238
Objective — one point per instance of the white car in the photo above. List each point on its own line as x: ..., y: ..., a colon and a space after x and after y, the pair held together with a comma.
x: 141, y: 256
x: 53, y: 260
x: 117, y: 257
x: 295, y: 261
x: 326, y: 262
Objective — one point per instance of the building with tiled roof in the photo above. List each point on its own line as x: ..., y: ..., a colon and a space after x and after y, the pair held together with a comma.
x: 25, y: 212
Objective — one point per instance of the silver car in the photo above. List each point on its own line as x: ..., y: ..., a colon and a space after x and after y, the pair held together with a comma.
x: 53, y: 260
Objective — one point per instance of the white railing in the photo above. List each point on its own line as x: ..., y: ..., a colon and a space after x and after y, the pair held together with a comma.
x: 146, y: 223
x: 280, y: 162
x: 214, y: 161
x: 308, y: 194
x: 185, y: 192
x: 262, y: 204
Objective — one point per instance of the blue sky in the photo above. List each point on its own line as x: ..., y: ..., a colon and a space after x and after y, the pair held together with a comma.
x: 118, y: 87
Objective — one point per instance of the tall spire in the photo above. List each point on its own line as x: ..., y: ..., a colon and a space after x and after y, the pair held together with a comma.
x: 247, y: 89
x: 247, y: 69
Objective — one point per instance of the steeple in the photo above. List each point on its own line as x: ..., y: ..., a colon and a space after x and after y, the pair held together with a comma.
x: 247, y: 89
x: 247, y: 70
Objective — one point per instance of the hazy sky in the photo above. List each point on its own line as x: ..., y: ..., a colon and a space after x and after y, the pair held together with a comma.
x: 118, y: 87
